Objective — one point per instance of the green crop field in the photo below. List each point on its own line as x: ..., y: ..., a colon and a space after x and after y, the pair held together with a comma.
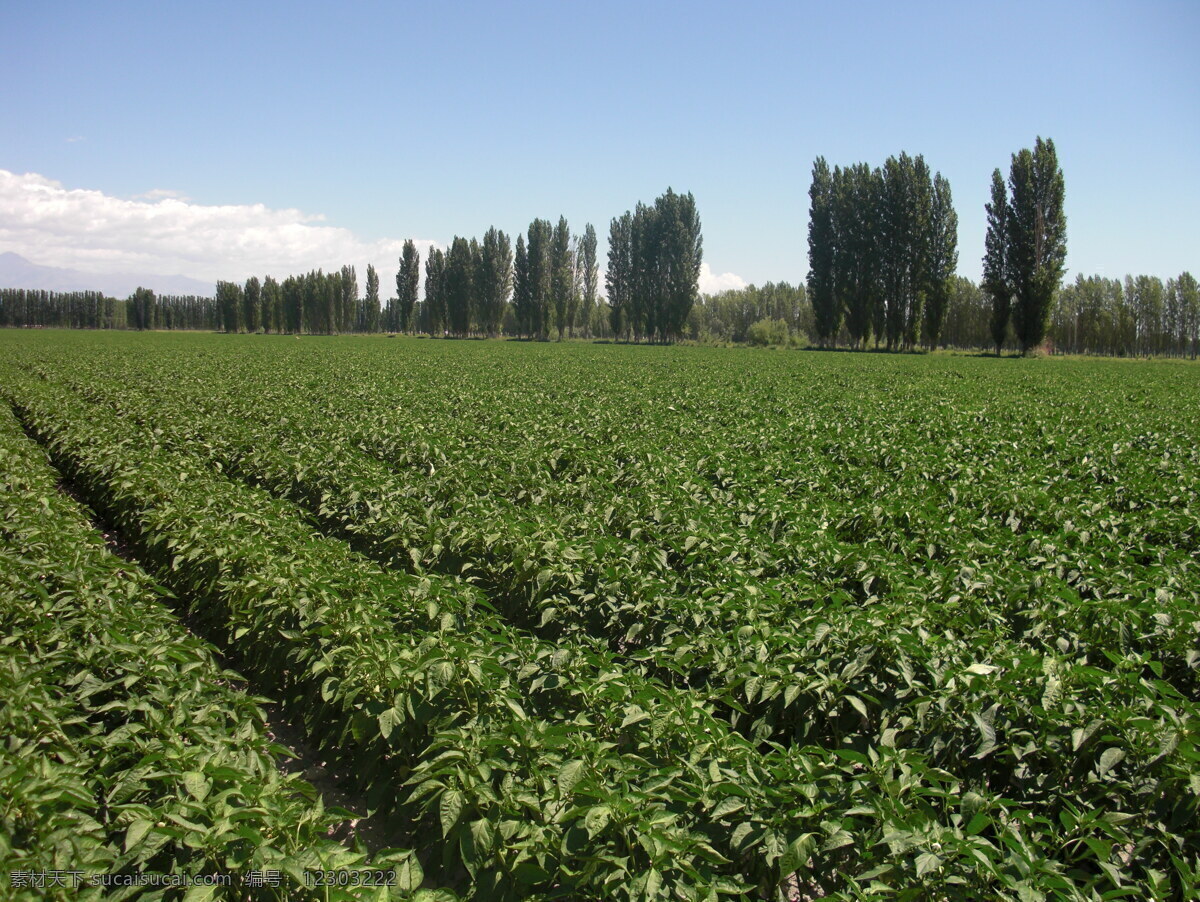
x: 585, y: 621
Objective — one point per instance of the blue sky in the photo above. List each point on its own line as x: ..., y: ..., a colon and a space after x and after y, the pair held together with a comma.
x: 187, y: 136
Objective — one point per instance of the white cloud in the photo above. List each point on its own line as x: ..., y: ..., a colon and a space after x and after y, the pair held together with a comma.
x: 164, y: 233
x: 161, y: 194
x: 714, y: 283
x: 74, y: 139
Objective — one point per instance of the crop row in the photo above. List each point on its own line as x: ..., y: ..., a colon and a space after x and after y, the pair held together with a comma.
x: 1023, y: 722
x: 126, y: 746
x: 864, y: 665
x: 630, y: 796
x: 794, y: 532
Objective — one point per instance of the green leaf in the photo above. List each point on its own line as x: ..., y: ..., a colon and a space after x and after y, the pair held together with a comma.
x: 927, y: 862
x: 568, y: 775
x: 196, y: 785
x: 727, y: 807
x: 1109, y: 759
x: 652, y: 885
x: 450, y: 809
x: 136, y: 831
x: 596, y: 820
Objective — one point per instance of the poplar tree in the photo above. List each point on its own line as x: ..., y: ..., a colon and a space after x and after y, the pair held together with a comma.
x: 1189, y: 304
x: 679, y: 257
x: 855, y: 215
x: 475, y: 300
x: 1036, y: 235
x: 292, y: 300
x: 495, y: 279
x: 272, y: 306
x: 562, y: 274
x: 330, y: 291
x: 408, y: 281
x: 252, y: 304
x: 540, y: 271
x: 589, y: 275
x: 456, y: 287
x: 618, y: 279
x: 229, y: 300
x: 644, y: 300
x: 347, y: 307
x: 435, y: 300
x: 371, y: 301
x: 827, y: 313
x: 522, y: 290
x: 943, y: 260
x: 142, y: 308
x: 996, y: 283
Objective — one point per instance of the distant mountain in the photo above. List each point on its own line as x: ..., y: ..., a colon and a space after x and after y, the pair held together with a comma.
x: 17, y: 272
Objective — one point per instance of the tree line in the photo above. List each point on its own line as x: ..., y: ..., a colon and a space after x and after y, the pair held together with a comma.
x: 654, y: 258
x: 315, y: 303
x: 882, y: 250
x: 728, y: 316
x: 1139, y: 316
x: 94, y: 310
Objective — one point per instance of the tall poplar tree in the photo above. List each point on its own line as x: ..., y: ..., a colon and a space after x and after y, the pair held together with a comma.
x: 522, y: 290
x: 495, y: 279
x: 943, y: 260
x: 292, y: 292
x: 618, y: 278
x: 371, y: 301
x: 347, y: 308
x: 856, y: 278
x: 229, y: 300
x: 645, y: 301
x: 252, y: 304
x: 539, y: 249
x: 435, y: 299
x: 142, y: 308
x: 408, y: 281
x: 1036, y: 239
x: 272, y: 306
x: 996, y: 283
x: 457, y: 287
x: 589, y: 272
x: 1189, y: 304
x: 562, y: 274
x: 681, y: 250
x: 827, y: 312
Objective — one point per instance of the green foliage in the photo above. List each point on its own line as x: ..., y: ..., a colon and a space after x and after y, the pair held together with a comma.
x: 494, y: 280
x: 822, y: 254
x: 272, y: 305
x: 522, y: 290
x: 141, y: 309
x: 369, y: 311
x: 539, y: 278
x: 1035, y: 239
x: 605, y: 647
x: 589, y: 275
x: 457, y: 287
x: 562, y: 275
x: 408, y: 278
x: 619, y: 277
x: 768, y: 332
x: 997, y: 280
x: 252, y: 305
x: 435, y: 310
x: 943, y: 261
x: 229, y: 302
x: 654, y: 260
x: 126, y: 747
